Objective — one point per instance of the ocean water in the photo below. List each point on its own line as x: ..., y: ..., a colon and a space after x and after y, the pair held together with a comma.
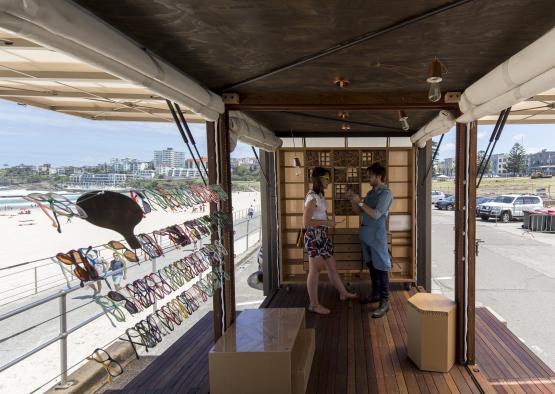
x: 11, y: 199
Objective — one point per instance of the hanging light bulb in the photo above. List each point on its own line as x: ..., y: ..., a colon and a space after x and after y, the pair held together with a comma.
x: 403, y: 119
x: 434, y: 78
x: 297, y: 165
x: 345, y: 127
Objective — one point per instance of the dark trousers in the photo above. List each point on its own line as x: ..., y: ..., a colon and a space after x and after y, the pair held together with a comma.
x: 380, y: 282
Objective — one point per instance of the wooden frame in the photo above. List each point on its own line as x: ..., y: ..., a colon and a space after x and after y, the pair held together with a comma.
x: 465, y: 241
x: 213, y: 179
x: 350, y: 171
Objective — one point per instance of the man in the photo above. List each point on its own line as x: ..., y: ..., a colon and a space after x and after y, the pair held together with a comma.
x: 118, y: 266
x: 373, y: 236
x: 250, y: 212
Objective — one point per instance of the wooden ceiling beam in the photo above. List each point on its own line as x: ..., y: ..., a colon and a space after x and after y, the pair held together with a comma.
x: 338, y: 102
x: 320, y: 134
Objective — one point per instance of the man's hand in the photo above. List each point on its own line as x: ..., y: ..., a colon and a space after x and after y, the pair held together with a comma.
x: 354, y: 198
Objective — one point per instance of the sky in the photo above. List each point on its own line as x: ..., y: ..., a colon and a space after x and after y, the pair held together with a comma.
x: 35, y: 136
x: 533, y: 137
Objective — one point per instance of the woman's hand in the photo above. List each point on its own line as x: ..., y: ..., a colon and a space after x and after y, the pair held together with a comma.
x: 333, y: 223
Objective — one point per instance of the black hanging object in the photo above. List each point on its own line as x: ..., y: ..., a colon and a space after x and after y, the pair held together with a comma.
x: 113, y: 211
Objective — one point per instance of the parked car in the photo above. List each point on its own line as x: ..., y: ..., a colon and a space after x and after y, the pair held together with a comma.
x: 481, y: 201
x: 508, y: 207
x: 437, y: 195
x: 447, y: 203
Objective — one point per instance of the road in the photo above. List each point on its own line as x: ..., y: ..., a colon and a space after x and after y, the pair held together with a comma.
x: 515, y: 276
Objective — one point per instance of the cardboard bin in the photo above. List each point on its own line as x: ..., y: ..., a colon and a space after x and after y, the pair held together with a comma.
x: 431, y: 331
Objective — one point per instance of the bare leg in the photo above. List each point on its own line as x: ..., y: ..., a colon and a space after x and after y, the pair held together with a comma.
x: 315, y: 265
x: 336, y: 280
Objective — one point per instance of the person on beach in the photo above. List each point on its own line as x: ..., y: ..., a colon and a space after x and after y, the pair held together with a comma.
x: 119, y: 269
x: 317, y: 244
x: 99, y: 264
x: 373, y: 236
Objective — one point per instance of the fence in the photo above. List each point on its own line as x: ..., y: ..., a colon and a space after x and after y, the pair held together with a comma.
x: 12, y: 323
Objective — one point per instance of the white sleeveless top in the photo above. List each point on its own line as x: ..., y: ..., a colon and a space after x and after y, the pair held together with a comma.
x: 321, y: 205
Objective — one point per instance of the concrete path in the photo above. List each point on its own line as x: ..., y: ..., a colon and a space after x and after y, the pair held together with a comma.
x: 515, y: 276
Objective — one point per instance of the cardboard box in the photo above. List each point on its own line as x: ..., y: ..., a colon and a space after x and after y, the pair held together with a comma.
x: 266, y: 350
x: 431, y: 331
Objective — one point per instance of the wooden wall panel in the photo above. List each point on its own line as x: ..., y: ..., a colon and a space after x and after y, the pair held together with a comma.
x: 398, y: 158
x: 294, y: 206
x: 399, y: 205
x: 348, y: 168
x: 294, y: 190
x: 398, y: 174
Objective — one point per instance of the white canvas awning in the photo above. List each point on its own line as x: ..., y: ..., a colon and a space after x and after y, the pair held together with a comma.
x: 68, y: 52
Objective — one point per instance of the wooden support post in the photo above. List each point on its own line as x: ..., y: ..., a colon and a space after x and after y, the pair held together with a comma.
x: 471, y: 276
x: 424, y: 218
x: 269, y: 222
x: 213, y: 179
x: 226, y: 206
x: 465, y: 241
x: 460, y: 235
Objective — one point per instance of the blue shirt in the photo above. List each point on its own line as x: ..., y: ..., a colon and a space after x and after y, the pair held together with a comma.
x: 373, y: 231
x: 379, y: 199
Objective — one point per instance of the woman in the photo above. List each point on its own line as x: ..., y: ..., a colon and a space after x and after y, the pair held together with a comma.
x: 318, y: 246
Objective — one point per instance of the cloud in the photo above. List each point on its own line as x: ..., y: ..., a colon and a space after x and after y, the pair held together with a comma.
x: 519, y: 136
x: 481, y: 134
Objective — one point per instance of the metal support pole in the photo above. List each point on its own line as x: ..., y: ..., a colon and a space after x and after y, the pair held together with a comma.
x: 36, y: 281
x: 248, y: 220
x: 188, y: 130
x: 64, y: 383
x: 154, y: 305
x: 182, y: 132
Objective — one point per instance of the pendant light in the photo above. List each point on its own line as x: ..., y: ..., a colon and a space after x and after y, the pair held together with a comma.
x: 296, y: 160
x: 435, y: 76
x: 403, y: 119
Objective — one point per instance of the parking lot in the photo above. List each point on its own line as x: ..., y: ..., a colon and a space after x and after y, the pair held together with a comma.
x: 515, y: 276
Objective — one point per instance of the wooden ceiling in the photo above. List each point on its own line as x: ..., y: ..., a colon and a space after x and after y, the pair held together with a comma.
x: 223, y: 42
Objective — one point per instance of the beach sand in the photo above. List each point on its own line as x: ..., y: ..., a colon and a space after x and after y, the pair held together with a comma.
x: 32, y: 237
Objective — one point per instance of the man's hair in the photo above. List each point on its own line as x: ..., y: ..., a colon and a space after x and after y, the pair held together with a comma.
x: 378, y: 170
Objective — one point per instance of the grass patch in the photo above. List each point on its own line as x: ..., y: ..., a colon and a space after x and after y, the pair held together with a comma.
x: 496, y: 186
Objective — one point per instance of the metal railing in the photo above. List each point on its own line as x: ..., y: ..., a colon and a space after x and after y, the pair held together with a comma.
x: 28, y: 279
x: 244, y: 228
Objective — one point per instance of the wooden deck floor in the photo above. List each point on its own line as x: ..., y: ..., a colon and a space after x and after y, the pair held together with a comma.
x: 358, y: 354
x: 507, y: 363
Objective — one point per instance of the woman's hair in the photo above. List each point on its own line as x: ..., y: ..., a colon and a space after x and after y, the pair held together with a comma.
x: 378, y: 170
x: 317, y: 172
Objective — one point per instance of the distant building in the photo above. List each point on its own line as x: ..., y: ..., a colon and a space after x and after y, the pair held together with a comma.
x: 498, y: 163
x: 446, y: 167
x: 178, y: 173
x: 144, y: 174
x: 543, y: 161
x: 190, y: 163
x: 88, y: 180
x: 169, y: 158
x: 44, y: 169
x: 128, y: 165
